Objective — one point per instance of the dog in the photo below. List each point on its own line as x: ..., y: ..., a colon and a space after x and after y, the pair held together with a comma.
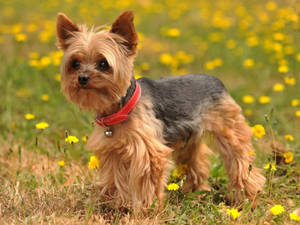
x: 145, y: 126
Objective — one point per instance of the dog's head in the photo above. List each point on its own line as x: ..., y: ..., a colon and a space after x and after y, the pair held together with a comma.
x: 97, y: 65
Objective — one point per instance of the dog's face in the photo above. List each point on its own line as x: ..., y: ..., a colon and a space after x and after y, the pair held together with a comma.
x: 97, y: 65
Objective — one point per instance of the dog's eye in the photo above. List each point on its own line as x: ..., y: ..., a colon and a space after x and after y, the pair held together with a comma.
x: 103, y: 65
x: 75, y: 64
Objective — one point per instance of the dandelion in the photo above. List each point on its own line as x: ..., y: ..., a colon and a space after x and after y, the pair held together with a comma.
x: 84, y: 139
x: 71, y: 139
x: 57, y: 77
x: 295, y: 102
x: 298, y: 113
x: 248, y: 112
x: 209, y: 65
x: 173, y: 32
x: 290, y: 80
x: 271, y: 6
x: 45, y: 97
x: 258, y: 130
x: 172, y: 187
x: 34, y: 55
x: 137, y: 77
x: 252, y: 152
x: 234, y: 213
x: 145, y: 66
x: 288, y: 157
x: 93, y: 163
x: 264, y: 99
x: 45, y: 61
x: 166, y: 58
x: 248, y: 63
x: 277, y: 209
x: 61, y: 163
x: 20, y: 37
x: 289, y: 137
x: 179, y: 171
x: 34, y: 63
x: 29, y: 116
x: 248, y: 99
x: 294, y: 216
x: 278, y: 87
x: 271, y: 166
x: 283, y: 69
x: 41, y: 125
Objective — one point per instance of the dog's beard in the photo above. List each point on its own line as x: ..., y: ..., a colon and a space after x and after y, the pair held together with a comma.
x: 98, y: 95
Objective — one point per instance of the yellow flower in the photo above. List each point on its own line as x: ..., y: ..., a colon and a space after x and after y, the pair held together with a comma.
x: 295, y: 102
x: 166, y: 58
x: 41, y: 125
x: 71, y: 139
x: 252, y: 152
x: 173, y: 32
x: 283, y: 69
x: 248, y: 63
x: 61, y: 163
x: 298, y: 113
x: 264, y: 99
x: 248, y: 99
x: 34, y: 55
x: 288, y: 157
x: 294, y: 216
x: 252, y: 41
x: 271, y: 6
x: 277, y: 209
x: 248, y: 112
x: 45, y: 97
x: 290, y: 80
x: 289, y: 137
x: 270, y: 165
x: 172, y: 187
x: 179, y: 171
x: 209, y: 65
x: 93, y: 163
x: 21, y: 37
x: 57, y: 77
x: 84, y: 138
x: 45, y: 61
x: 278, y: 87
x: 137, y: 77
x: 34, y: 63
x: 258, y: 131
x: 145, y: 66
x: 29, y: 116
x: 234, y: 213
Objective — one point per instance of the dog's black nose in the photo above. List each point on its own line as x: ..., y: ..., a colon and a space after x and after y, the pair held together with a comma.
x: 83, y: 79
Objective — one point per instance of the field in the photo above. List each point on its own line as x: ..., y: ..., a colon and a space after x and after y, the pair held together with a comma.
x: 47, y: 176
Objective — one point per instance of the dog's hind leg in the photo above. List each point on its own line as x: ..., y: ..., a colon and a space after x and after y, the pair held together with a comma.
x: 233, y: 140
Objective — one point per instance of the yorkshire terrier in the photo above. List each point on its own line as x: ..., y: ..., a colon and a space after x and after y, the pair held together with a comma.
x: 144, y: 125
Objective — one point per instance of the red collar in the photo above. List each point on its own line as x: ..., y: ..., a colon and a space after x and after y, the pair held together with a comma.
x: 123, y: 114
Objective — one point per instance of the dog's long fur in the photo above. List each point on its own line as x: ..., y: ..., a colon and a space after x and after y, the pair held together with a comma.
x: 166, y: 125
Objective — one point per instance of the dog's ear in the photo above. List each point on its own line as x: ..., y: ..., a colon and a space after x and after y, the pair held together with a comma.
x: 124, y: 27
x: 64, y: 29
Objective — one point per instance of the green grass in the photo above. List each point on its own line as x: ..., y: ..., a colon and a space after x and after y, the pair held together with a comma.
x: 34, y: 189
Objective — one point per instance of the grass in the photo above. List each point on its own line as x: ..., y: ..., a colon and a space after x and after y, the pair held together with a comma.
x: 214, y: 37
